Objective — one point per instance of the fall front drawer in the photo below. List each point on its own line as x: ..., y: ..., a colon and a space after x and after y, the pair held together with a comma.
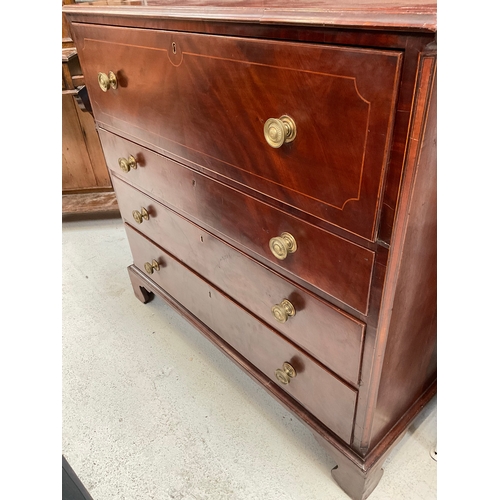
x: 326, y: 261
x: 326, y: 332
x: 320, y: 392
x: 262, y: 113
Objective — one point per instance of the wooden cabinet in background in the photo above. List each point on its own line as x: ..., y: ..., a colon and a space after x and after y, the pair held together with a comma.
x: 86, y: 185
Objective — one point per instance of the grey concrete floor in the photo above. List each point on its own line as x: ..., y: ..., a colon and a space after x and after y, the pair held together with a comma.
x: 152, y: 410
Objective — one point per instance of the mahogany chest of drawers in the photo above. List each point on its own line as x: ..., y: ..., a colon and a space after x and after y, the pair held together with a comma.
x: 275, y: 169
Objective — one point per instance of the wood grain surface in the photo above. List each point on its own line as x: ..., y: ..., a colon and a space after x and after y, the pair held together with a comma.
x: 330, y: 335
x: 213, y: 96
x: 334, y: 265
x: 325, y: 395
x: 375, y: 14
x: 356, y: 188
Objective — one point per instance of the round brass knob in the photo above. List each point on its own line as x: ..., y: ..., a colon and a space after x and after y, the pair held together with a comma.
x: 286, y: 373
x: 277, y: 131
x: 282, y: 245
x: 127, y: 164
x: 283, y: 311
x: 107, y: 81
x: 151, y: 268
x: 140, y: 216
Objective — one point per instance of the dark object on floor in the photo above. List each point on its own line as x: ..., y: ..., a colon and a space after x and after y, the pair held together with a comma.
x: 72, y: 487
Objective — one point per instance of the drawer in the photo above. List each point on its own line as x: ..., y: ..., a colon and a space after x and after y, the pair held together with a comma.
x: 207, y: 100
x: 327, y: 397
x: 326, y: 332
x: 326, y: 261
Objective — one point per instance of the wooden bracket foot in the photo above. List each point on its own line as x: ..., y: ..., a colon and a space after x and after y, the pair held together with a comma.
x: 140, y: 291
x: 350, y: 471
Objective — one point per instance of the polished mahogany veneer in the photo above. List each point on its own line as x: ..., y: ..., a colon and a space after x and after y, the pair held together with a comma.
x: 330, y: 335
x: 324, y: 395
x: 275, y: 168
x: 213, y: 95
x: 250, y: 224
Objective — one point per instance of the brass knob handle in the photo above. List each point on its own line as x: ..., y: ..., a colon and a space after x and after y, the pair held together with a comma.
x: 140, y: 216
x: 127, y: 163
x: 107, y: 81
x: 286, y: 373
x: 282, y: 245
x: 151, y: 268
x: 277, y: 131
x: 283, y: 311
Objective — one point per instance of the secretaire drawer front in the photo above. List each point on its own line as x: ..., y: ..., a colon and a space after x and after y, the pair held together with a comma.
x: 327, y: 397
x: 307, y: 124
x: 328, y: 262
x: 326, y: 332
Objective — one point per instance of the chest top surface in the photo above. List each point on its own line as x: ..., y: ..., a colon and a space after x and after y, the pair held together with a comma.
x: 367, y: 14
